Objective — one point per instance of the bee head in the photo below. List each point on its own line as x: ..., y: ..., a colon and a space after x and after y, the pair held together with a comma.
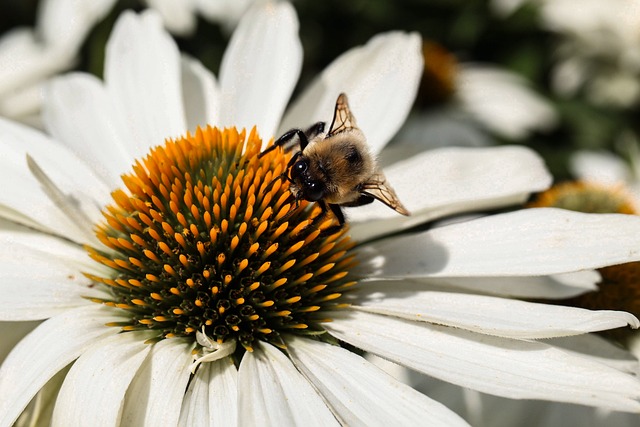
x: 312, y: 189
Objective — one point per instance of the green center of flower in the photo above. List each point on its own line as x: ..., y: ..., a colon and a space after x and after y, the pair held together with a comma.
x: 586, y: 197
x: 203, y: 237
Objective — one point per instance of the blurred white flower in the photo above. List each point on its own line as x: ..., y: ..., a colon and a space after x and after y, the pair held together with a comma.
x: 30, y: 56
x: 180, y: 16
x: 599, y: 48
x: 609, y: 169
x: 503, y: 101
x: 469, y: 104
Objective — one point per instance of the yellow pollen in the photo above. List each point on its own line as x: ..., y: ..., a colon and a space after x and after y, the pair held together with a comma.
x: 279, y: 282
x: 271, y: 249
x: 264, y: 267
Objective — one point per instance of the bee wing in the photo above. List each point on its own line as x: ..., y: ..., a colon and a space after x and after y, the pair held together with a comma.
x: 342, y: 118
x: 378, y: 188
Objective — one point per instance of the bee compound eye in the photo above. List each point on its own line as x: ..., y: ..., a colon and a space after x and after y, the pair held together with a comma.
x: 299, y: 168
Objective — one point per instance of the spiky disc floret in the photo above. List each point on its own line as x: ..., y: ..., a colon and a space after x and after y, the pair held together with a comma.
x: 201, y: 239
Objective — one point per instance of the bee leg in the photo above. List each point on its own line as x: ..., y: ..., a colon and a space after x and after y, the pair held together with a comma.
x: 314, y: 130
x: 337, y: 212
x: 286, y: 138
x: 291, y: 199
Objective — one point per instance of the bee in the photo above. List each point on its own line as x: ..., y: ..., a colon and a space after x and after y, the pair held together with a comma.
x: 334, y: 169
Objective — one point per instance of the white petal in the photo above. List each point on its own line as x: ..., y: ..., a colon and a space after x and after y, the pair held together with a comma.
x: 25, y: 201
x: 24, y: 102
x: 557, y: 286
x: 79, y: 113
x: 381, y: 80
x: 12, y: 333
x: 226, y: 12
x: 155, y: 395
x: 273, y: 392
x: 25, y: 61
x: 599, y: 166
x: 49, y: 348
x: 485, y: 314
x: 447, y: 181
x: 437, y: 128
x: 599, y: 349
x: 260, y: 68
x: 64, y: 24
x: 212, y: 397
x: 528, y: 242
x: 178, y: 16
x: 503, y: 102
x: 362, y: 394
x: 504, y: 367
x: 41, y: 276
x: 201, y: 94
x: 142, y: 74
x: 102, y: 374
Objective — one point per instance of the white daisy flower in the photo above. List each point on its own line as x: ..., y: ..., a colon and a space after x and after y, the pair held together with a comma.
x: 195, y: 265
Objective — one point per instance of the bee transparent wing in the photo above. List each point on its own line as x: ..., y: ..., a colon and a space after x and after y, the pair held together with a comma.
x: 378, y: 188
x: 342, y: 118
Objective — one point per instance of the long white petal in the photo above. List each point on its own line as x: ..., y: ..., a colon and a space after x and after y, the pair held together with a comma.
x: 142, y: 75
x: 485, y: 314
x: 41, y: 275
x: 155, y: 395
x: 201, y: 94
x: 504, y: 367
x: 79, y: 112
x: 362, y: 394
x: 49, y: 348
x: 528, y: 242
x: 273, y: 393
x: 23, y: 197
x: 381, y: 80
x: 448, y: 181
x: 212, y: 397
x: 260, y: 68
x: 599, y: 349
x: 102, y: 374
x: 557, y: 286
